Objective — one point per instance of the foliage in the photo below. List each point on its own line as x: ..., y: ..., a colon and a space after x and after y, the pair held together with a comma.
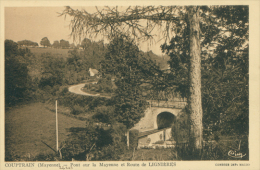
x: 86, y: 43
x: 160, y: 61
x: 230, y: 113
x: 72, y: 45
x: 64, y: 44
x: 180, y: 130
x: 229, y: 66
x: 45, y: 42
x: 17, y: 79
x: 121, y: 61
x: 133, y: 139
x: 39, y: 157
x: 78, y: 143
x: 224, y: 35
x: 95, y: 52
x: 103, y: 86
x: 52, y: 72
x: 218, y: 150
x: 94, y: 143
x: 46, y: 157
x: 116, y: 147
x: 56, y: 44
x: 121, y: 58
x: 76, y: 110
x: 27, y: 43
x: 104, y: 114
x: 76, y: 62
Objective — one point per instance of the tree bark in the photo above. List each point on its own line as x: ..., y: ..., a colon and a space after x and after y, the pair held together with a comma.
x: 194, y: 99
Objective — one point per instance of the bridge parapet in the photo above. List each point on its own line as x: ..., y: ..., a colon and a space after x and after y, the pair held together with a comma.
x: 167, y: 104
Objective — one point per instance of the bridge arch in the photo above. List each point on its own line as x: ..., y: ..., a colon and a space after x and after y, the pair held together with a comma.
x: 166, y: 115
x: 165, y: 120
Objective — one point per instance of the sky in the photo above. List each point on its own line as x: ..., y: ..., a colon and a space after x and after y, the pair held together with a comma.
x: 34, y: 23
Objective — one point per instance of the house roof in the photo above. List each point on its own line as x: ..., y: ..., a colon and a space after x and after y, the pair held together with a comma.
x: 95, y: 71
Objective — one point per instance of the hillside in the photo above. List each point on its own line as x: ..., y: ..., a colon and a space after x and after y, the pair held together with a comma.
x: 55, y: 51
x: 161, y: 61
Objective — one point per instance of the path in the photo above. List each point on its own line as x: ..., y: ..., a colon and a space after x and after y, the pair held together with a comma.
x: 77, y: 89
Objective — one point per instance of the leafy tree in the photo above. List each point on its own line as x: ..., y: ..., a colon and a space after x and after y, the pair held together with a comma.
x: 225, y: 71
x: 53, y: 71
x: 94, y: 51
x: 72, y: 45
x: 89, y: 144
x: 160, y: 61
x: 56, y: 44
x: 121, y: 61
x: 27, y: 43
x: 78, y: 46
x: 64, y: 44
x: 77, y: 61
x: 86, y: 43
x: 229, y: 67
x: 17, y: 79
x: 45, y: 42
x: 105, y: 114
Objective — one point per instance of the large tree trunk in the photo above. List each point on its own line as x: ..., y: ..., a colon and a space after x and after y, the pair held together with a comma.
x: 194, y: 99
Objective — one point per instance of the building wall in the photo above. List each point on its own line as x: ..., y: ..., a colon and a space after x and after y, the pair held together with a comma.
x: 150, y: 139
x: 146, y: 123
x: 92, y: 72
x: 168, y: 133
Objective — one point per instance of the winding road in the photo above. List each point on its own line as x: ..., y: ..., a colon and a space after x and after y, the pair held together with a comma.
x: 77, y: 89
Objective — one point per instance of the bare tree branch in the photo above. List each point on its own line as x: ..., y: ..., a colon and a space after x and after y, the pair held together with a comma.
x: 110, y: 21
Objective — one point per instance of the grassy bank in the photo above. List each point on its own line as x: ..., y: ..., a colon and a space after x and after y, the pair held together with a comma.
x: 30, y: 130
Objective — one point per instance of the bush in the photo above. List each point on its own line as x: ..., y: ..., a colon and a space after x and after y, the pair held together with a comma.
x: 63, y: 90
x: 114, y: 149
x: 76, y: 110
x: 95, y: 143
x: 181, y: 128
x: 17, y: 78
x: 46, y: 157
x: 133, y: 138
x: 104, y: 114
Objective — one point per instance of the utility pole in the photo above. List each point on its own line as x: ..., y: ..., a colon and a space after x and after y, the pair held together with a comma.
x: 57, y: 139
x: 127, y: 138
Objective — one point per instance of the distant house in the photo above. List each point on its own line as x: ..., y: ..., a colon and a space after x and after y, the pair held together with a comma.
x: 93, y: 72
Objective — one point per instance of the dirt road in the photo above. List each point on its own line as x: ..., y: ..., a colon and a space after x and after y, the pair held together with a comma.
x: 77, y: 89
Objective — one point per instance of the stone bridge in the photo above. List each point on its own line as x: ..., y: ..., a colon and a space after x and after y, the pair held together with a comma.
x: 159, y: 116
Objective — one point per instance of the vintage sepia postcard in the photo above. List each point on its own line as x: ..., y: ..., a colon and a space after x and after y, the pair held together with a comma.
x: 134, y: 84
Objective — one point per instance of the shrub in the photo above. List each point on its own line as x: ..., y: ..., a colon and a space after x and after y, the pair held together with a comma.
x: 114, y: 149
x: 133, y: 138
x: 104, y: 114
x: 76, y: 110
x: 46, y: 157
x: 181, y: 128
